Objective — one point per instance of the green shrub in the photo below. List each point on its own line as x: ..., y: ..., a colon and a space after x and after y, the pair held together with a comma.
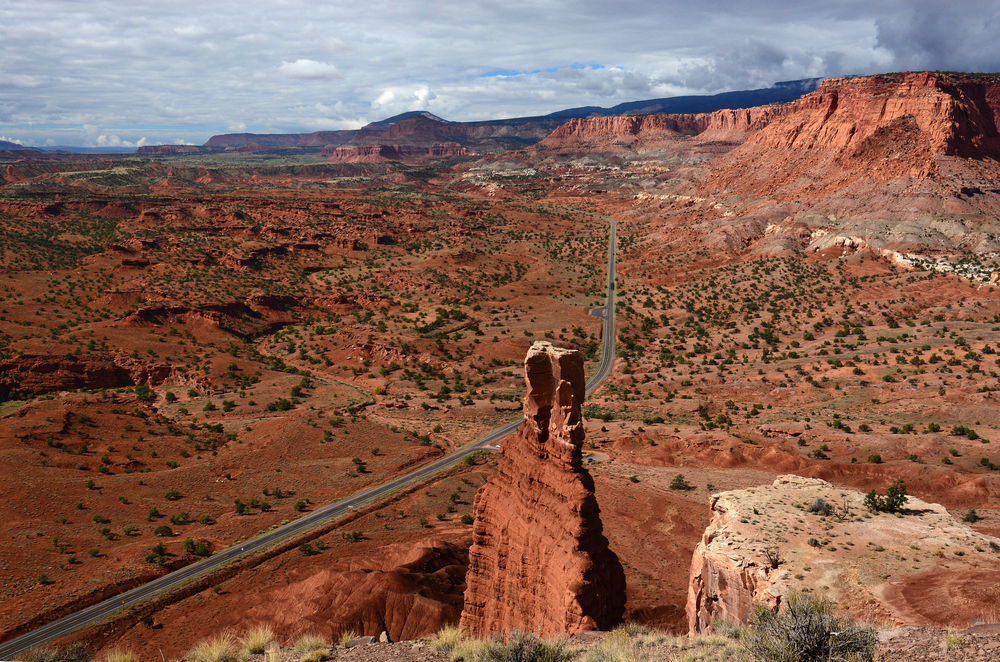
x: 807, y: 630
x: 680, y: 483
x: 892, y: 502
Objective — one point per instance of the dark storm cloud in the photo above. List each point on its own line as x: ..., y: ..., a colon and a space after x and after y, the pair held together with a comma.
x: 73, y: 72
x: 925, y: 35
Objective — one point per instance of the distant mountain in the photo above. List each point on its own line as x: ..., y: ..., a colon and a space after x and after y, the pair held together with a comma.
x: 405, y: 116
x: 421, y: 129
x: 782, y: 92
x: 7, y: 146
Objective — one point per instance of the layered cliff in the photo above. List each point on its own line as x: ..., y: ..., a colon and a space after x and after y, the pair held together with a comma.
x: 539, y: 561
x: 378, y: 152
x: 950, y: 114
x: 647, y: 132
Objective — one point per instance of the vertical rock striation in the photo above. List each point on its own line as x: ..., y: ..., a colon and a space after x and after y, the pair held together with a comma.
x: 539, y: 560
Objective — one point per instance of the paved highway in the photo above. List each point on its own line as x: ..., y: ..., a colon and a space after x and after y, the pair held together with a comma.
x: 98, y: 612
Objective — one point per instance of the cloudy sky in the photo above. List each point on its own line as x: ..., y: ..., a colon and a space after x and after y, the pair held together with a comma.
x: 106, y: 73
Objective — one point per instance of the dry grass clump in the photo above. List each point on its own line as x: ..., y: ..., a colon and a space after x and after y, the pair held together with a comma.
x: 75, y: 652
x: 635, y: 643
x: 257, y: 638
x: 310, y: 642
x: 446, y: 639
x: 346, y: 636
x: 118, y: 655
x: 517, y: 647
x: 41, y: 654
x: 616, y: 647
x: 990, y: 614
x: 224, y: 647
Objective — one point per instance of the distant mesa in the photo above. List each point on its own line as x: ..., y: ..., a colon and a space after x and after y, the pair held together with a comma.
x: 418, y: 136
x: 167, y: 150
x: 539, y: 561
x: 380, y: 152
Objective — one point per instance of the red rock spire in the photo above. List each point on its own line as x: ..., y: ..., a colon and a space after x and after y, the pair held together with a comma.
x: 539, y: 562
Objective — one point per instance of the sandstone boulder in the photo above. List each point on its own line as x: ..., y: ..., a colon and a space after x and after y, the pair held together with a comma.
x: 539, y: 561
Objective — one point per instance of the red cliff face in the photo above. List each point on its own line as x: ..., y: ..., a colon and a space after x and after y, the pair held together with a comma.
x: 539, y: 561
x: 722, y: 125
x: 953, y: 115
x: 606, y: 127
x: 876, y: 129
x: 922, y: 114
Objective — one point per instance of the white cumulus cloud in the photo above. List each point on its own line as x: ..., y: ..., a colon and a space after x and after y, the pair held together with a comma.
x: 105, y: 140
x: 398, y: 100
x: 309, y: 70
x: 11, y: 140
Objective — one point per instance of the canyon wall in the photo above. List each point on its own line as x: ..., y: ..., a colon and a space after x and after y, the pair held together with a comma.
x: 721, y: 125
x: 539, y: 561
x: 948, y: 114
x: 954, y: 115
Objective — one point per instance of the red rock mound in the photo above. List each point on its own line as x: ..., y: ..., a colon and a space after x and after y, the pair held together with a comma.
x: 539, y: 561
x: 37, y: 374
x: 407, y: 591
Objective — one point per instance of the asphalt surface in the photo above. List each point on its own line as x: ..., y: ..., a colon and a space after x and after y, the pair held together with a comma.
x: 102, y: 610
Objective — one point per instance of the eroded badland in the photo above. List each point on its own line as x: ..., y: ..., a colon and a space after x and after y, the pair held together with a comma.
x: 195, y: 351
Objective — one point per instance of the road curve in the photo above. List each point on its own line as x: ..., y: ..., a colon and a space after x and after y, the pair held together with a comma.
x: 102, y: 610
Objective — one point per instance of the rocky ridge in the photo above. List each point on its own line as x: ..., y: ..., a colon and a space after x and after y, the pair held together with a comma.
x: 805, y: 534
x: 539, y: 561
